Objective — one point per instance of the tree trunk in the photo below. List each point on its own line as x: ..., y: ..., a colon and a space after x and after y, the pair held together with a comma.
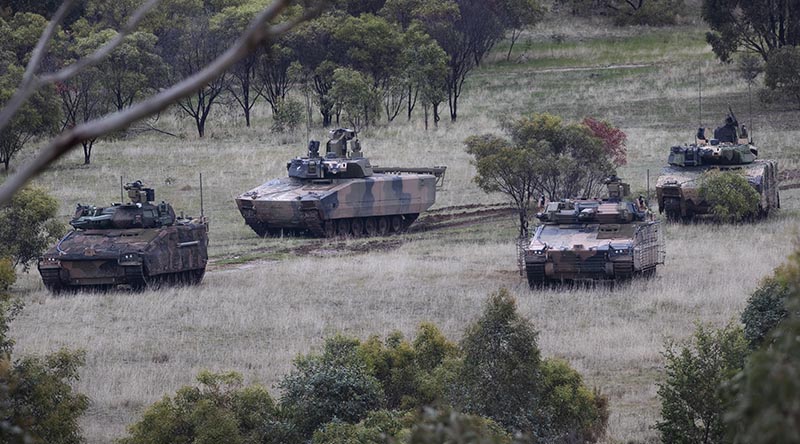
x: 436, y: 117
x: 425, y: 112
x: 201, y: 126
x: 87, y: 151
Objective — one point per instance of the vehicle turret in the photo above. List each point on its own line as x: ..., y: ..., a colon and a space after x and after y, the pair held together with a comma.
x: 337, y: 163
x: 140, y: 212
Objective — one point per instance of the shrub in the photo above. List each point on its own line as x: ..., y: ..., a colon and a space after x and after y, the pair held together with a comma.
x: 766, y: 391
x: 219, y: 409
x: 692, y: 399
x: 405, y: 370
x: 27, y: 226
x: 288, y: 116
x: 379, y: 427
x: 765, y: 309
x: 335, y: 384
x: 500, y: 372
x: 448, y: 426
x: 782, y: 72
x: 576, y: 413
x: 37, y: 403
x: 729, y: 195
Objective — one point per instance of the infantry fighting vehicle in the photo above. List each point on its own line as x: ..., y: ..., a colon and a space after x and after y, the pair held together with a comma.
x: 610, y: 239
x: 339, y: 194
x: 678, y: 186
x: 132, y: 244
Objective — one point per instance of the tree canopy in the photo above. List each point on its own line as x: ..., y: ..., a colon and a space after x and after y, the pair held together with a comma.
x: 544, y: 155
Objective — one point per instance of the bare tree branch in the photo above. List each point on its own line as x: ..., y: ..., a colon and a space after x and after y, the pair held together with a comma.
x: 256, y: 33
x: 30, y: 83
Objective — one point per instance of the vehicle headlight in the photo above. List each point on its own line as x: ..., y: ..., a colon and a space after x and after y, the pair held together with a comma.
x: 130, y: 257
x: 49, y: 261
x: 622, y: 251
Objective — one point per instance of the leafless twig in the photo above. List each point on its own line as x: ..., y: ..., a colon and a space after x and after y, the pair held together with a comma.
x: 30, y: 82
x: 256, y: 33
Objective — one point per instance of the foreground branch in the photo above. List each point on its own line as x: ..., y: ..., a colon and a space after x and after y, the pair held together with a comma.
x: 256, y: 34
x: 30, y: 83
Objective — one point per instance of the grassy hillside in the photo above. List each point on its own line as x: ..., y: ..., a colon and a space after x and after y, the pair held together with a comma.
x: 266, y: 300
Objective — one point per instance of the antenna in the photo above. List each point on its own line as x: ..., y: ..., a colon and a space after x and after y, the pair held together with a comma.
x: 121, y: 194
x: 700, y: 96
x: 750, y: 111
x: 202, y: 213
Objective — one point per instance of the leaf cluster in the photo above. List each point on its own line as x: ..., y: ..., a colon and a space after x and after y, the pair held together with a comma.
x: 693, y: 401
x: 28, y: 226
x: 729, y: 195
x: 37, y: 403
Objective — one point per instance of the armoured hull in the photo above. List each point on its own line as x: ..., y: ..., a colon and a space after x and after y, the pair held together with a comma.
x: 376, y: 204
x: 678, y: 187
x: 134, y: 257
x: 593, y: 251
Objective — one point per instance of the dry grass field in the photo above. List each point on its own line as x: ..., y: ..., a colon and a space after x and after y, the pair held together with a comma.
x: 266, y: 300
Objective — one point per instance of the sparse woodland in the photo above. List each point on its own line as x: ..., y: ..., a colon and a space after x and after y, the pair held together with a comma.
x: 433, y: 333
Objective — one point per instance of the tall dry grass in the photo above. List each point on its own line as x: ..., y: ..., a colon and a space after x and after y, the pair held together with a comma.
x: 256, y: 316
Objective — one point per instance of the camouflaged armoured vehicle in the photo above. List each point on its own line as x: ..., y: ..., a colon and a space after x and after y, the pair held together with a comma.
x: 678, y: 186
x: 339, y: 194
x: 132, y: 244
x: 610, y: 239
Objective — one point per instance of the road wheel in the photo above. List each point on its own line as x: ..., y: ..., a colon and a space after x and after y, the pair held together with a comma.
x: 357, y: 227
x: 342, y: 227
x: 329, y: 228
x: 383, y: 225
x: 371, y: 226
x: 395, y: 223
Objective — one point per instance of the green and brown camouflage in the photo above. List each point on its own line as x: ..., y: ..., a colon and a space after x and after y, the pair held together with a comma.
x: 340, y: 194
x: 678, y: 186
x: 591, y: 239
x: 134, y: 244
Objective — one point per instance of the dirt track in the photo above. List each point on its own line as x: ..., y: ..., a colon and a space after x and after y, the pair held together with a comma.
x: 428, y: 224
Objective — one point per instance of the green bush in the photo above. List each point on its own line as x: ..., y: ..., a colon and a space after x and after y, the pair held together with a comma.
x: 8, y: 274
x: 576, y: 413
x: 782, y: 73
x: 27, y: 226
x: 729, y: 195
x: 693, y: 401
x: 37, y: 403
x: 502, y: 377
x: 335, y: 384
x: 379, y: 427
x: 218, y: 410
x: 448, y: 426
x: 766, y: 409
x: 765, y: 309
x: 406, y: 370
x: 288, y: 116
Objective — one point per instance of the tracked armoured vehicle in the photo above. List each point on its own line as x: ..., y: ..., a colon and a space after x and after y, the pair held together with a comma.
x: 134, y: 244
x: 339, y: 194
x: 678, y: 186
x: 592, y: 240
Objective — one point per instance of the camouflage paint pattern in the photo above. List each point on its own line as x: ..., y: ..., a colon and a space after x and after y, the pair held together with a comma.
x: 126, y: 244
x: 339, y: 194
x: 592, y: 240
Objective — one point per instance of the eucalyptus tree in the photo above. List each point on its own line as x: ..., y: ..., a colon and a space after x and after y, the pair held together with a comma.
x: 759, y: 26
x: 40, y: 115
x: 373, y: 46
